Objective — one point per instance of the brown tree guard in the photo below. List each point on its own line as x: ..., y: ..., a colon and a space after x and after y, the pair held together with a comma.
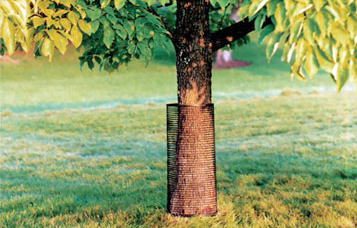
x: 191, y: 166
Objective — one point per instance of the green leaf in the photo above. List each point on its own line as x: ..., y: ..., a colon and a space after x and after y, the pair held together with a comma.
x: 76, y: 36
x: 308, y: 30
x: 94, y: 13
x: 59, y: 13
x: 318, y: 4
x: 109, y: 10
x: 67, y: 2
x: 258, y: 22
x: 120, y: 31
x: 90, y: 64
x: 47, y: 48
x: 352, y: 26
x: 288, y: 51
x: 26, y: 40
x: 301, y: 49
x: 55, y: 23
x: 325, y: 63
x: 301, y: 8
x: 272, y: 45
x: 8, y: 35
x: 264, y: 32
x: 295, y: 31
x: 85, y: 26
x: 104, y: 3
x: 256, y: 6
x: 296, y: 70
x: 131, y: 48
x: 163, y: 2
x: 60, y: 42
x: 280, y: 17
x: 271, y: 6
x: 95, y: 26
x: 73, y: 17
x: 342, y: 75
x: 339, y: 33
x: 311, y: 64
x: 129, y: 27
x: 322, y: 21
x: 223, y: 3
x: 144, y: 49
x: 119, y: 4
x: 108, y: 37
x: 244, y: 8
x: 66, y: 23
x: 37, y: 21
x: 334, y: 12
x: 213, y: 2
x: 290, y: 7
x: 97, y: 59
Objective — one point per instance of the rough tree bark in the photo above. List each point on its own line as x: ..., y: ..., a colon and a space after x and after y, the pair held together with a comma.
x: 194, y: 188
x: 193, y: 53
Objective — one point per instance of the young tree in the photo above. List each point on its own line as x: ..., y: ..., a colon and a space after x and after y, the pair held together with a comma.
x: 315, y: 34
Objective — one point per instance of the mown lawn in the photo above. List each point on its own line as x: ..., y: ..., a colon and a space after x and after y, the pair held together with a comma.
x: 82, y: 149
x: 282, y: 161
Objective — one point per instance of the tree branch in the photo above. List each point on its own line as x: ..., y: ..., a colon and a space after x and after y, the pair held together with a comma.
x: 234, y: 32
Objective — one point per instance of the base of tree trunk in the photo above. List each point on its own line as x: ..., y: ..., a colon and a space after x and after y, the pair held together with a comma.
x: 191, y: 164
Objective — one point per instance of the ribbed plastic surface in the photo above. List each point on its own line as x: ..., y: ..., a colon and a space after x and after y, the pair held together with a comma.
x: 191, y: 165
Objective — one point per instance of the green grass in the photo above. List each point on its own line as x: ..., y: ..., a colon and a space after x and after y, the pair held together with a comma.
x: 82, y: 149
x: 282, y: 161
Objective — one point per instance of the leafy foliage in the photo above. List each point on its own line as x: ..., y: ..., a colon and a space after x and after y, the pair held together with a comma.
x: 316, y: 34
x: 13, y: 18
x: 109, y: 32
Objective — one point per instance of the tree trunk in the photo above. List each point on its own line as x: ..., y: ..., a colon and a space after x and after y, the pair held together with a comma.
x: 193, y: 53
x: 193, y: 190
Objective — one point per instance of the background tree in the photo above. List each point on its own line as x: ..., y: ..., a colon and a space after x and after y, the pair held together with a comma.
x: 315, y: 34
x: 223, y: 58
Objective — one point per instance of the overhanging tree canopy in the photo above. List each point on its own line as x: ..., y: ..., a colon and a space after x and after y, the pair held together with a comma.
x: 315, y: 34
